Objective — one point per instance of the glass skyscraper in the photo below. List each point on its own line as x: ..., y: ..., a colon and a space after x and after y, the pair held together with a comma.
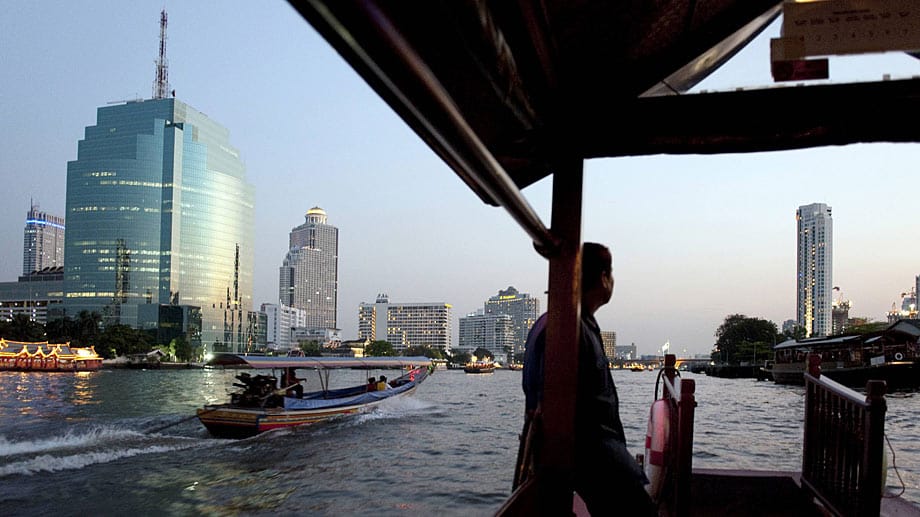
x: 42, y: 242
x: 815, y: 268
x: 309, y: 275
x: 159, y: 212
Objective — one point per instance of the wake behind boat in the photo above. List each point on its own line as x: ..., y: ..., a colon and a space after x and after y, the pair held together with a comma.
x: 264, y: 404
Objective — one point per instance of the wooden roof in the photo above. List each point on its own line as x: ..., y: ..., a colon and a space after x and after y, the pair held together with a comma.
x: 521, y: 85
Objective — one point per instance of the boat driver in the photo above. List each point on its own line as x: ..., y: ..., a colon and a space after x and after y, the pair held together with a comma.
x: 291, y: 384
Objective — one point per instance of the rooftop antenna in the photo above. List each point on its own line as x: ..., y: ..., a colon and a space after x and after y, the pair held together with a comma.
x: 161, y: 83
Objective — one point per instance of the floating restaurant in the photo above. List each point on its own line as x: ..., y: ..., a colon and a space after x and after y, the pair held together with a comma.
x: 45, y: 357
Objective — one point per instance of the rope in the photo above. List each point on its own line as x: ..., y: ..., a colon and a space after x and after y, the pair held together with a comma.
x: 894, y: 465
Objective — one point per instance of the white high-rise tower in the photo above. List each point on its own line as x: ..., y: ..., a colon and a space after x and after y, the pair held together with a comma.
x: 815, y: 269
x: 43, y: 241
x: 309, y: 276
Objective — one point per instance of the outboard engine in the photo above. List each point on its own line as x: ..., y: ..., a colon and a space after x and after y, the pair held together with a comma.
x: 257, y: 390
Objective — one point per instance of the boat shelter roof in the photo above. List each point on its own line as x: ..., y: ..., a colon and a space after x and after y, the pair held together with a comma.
x: 813, y: 343
x: 504, y: 92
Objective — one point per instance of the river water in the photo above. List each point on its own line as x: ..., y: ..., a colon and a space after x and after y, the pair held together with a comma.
x: 119, y: 442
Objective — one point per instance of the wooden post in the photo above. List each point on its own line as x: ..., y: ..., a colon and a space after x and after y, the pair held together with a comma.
x: 814, y: 365
x: 686, y: 410
x: 562, y: 335
x: 871, y: 483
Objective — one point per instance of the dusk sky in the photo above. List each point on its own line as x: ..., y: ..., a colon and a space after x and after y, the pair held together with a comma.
x: 695, y: 238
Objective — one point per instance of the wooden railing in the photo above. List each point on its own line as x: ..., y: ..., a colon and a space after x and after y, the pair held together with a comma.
x: 682, y: 397
x: 842, y: 455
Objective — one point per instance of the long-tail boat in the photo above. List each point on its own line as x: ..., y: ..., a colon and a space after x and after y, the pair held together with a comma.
x: 263, y: 404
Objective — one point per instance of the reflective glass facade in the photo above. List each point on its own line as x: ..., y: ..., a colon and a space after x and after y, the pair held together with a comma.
x: 159, y: 212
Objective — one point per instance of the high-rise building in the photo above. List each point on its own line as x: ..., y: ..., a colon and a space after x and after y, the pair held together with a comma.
x: 43, y: 241
x: 493, y: 332
x: 159, y: 212
x: 840, y: 316
x: 523, y: 309
x: 609, y: 339
x: 815, y: 269
x: 406, y: 324
x: 280, y: 322
x: 310, y: 273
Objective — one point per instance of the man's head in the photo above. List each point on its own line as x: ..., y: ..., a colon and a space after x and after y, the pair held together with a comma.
x: 596, y: 276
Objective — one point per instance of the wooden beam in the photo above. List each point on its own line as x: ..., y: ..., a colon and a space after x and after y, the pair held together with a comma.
x: 562, y: 335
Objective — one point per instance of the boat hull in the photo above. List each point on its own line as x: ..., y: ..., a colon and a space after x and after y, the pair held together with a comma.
x: 897, y: 375
x: 227, y: 421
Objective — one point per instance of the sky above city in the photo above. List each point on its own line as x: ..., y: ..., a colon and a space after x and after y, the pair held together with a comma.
x: 695, y: 238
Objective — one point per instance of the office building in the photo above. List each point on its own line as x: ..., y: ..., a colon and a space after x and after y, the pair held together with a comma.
x: 170, y: 322
x: 406, y: 325
x: 37, y: 295
x: 43, y: 241
x: 493, y: 332
x: 840, y: 316
x: 309, y: 275
x: 280, y: 322
x: 609, y: 339
x: 159, y: 212
x: 624, y: 352
x: 523, y: 309
x: 814, y: 283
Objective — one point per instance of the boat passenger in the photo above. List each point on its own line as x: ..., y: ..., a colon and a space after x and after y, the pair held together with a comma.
x: 607, y: 477
x: 372, y: 384
x: 291, y: 383
x: 383, y: 385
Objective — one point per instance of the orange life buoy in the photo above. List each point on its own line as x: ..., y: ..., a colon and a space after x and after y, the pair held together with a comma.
x: 656, y: 446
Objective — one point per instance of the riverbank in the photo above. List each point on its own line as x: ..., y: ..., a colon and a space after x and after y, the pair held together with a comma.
x: 153, y: 365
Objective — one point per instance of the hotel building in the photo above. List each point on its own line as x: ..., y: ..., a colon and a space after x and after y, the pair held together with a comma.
x: 523, y: 309
x: 159, y: 213
x: 43, y: 241
x: 493, y: 332
x: 814, y: 283
x: 309, y: 275
x: 406, y: 324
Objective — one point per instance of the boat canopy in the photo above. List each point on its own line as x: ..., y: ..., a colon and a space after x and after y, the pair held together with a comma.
x: 509, y: 93
x: 320, y: 363
x: 505, y: 92
x: 812, y: 343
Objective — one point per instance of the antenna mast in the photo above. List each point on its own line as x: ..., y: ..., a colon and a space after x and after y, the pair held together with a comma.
x: 161, y: 83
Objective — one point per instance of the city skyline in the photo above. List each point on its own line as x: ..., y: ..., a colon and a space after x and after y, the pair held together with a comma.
x: 694, y: 238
